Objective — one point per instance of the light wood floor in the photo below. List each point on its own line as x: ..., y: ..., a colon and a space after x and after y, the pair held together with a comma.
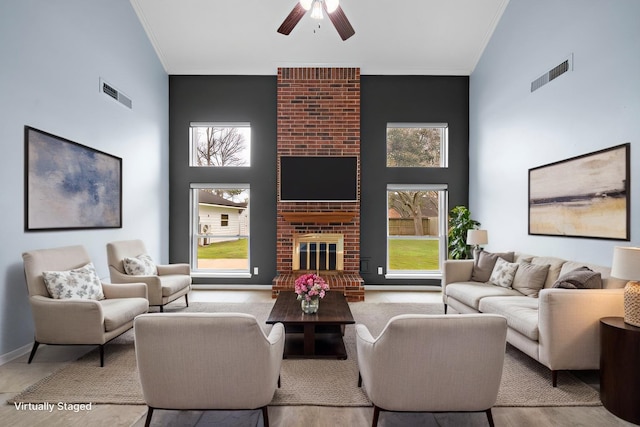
x: 17, y: 375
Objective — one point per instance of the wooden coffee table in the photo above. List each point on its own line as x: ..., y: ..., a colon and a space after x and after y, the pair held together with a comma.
x: 316, y: 335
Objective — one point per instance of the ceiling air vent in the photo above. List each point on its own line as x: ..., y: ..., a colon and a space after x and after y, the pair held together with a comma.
x: 114, y: 93
x: 554, y: 73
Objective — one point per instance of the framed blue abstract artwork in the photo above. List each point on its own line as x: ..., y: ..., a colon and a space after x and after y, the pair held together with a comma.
x: 69, y: 185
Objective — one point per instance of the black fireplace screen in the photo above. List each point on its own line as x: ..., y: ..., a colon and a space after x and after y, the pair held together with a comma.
x: 318, y: 256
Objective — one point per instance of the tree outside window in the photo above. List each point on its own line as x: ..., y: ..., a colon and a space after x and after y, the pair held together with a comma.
x: 220, y: 145
x: 414, y: 230
x: 416, y: 145
x: 416, y: 224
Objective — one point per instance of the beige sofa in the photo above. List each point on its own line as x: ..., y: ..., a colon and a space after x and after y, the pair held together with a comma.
x: 559, y: 327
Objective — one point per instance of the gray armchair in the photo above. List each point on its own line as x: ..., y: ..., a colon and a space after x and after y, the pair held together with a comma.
x: 207, y: 361
x: 78, y: 321
x: 433, y: 363
x: 171, y: 282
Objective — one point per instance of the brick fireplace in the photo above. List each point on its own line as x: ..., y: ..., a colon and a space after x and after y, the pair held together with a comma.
x: 319, y: 115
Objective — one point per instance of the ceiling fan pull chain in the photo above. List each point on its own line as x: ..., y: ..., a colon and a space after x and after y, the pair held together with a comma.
x: 331, y: 7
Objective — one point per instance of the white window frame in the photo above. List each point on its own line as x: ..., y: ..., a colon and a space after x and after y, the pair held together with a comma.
x: 195, y: 233
x: 442, y: 231
x: 193, y: 161
x: 444, y: 142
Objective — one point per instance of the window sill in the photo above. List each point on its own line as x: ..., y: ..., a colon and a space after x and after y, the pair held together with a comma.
x: 409, y: 276
x: 222, y: 274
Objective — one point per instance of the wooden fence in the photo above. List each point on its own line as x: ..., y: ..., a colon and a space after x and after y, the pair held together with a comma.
x: 405, y: 227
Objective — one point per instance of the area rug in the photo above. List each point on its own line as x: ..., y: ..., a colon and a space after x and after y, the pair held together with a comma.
x: 303, y: 382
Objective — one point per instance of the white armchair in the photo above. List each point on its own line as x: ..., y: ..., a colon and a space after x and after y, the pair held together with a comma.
x: 78, y: 321
x: 433, y: 363
x: 171, y: 282
x: 207, y: 361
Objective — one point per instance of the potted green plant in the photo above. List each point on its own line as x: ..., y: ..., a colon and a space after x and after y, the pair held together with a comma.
x: 459, y: 222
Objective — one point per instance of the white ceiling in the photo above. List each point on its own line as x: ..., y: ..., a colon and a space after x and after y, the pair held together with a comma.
x: 414, y: 37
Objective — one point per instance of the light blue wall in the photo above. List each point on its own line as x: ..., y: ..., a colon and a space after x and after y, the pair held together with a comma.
x: 52, y: 54
x: 595, y: 106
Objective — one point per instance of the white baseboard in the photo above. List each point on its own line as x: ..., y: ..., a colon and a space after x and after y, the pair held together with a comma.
x: 8, y: 357
x: 426, y: 288
x: 233, y: 287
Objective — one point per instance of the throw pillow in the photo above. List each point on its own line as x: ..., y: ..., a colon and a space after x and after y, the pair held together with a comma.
x: 484, y: 263
x: 142, y: 265
x: 503, y: 273
x: 82, y: 283
x: 530, y: 278
x: 580, y: 278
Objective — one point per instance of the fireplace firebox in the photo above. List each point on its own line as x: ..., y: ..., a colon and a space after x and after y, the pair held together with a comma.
x: 318, y: 251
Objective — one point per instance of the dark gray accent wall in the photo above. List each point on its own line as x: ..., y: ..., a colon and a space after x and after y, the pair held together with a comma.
x: 253, y: 99
x: 423, y: 99
x: 225, y: 99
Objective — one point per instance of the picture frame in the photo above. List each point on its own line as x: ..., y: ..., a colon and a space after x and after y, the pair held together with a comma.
x: 69, y: 185
x: 585, y: 196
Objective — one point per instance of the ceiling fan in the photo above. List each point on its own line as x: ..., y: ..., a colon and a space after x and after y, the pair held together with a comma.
x: 331, y: 7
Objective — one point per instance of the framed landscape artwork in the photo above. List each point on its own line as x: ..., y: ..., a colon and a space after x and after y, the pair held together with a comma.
x: 69, y: 185
x: 584, y: 196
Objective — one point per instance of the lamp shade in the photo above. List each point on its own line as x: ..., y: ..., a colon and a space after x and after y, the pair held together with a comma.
x: 477, y: 237
x: 626, y: 263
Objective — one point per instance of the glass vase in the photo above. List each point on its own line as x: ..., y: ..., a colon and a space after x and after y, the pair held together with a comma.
x: 311, y: 306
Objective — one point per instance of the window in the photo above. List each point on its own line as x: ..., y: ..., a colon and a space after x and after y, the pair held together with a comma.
x: 421, y: 145
x: 220, y: 230
x: 220, y: 144
x: 416, y: 230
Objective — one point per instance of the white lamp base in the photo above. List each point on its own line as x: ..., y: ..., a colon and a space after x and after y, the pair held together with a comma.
x: 632, y: 303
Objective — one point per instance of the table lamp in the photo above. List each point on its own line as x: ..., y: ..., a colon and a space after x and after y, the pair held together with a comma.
x: 476, y: 238
x: 626, y: 266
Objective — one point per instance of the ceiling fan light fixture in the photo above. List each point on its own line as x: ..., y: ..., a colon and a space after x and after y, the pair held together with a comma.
x: 316, y: 9
x: 334, y: 13
x: 332, y: 5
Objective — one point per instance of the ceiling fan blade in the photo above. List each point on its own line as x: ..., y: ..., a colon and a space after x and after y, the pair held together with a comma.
x: 340, y: 21
x: 292, y: 20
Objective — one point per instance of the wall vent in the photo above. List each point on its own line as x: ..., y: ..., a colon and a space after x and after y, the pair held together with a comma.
x: 114, y: 93
x: 554, y: 73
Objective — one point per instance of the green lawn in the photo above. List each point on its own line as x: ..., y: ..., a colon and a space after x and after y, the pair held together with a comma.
x: 404, y: 254
x: 234, y: 249
x: 413, y: 254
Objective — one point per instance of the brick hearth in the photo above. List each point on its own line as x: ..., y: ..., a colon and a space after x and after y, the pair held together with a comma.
x: 319, y: 115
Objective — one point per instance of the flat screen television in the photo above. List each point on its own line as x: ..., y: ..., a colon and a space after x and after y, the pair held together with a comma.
x: 318, y: 179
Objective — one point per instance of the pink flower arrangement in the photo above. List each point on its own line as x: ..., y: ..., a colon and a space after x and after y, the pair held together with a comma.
x: 309, y: 286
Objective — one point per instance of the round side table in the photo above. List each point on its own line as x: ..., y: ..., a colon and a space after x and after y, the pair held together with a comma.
x: 620, y: 368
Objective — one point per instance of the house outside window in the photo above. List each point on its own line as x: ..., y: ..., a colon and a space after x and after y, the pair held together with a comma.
x: 216, y: 144
x: 220, y: 230
x: 419, y: 145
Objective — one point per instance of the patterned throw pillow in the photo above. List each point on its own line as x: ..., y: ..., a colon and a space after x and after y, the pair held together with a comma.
x: 503, y: 273
x: 485, y: 261
x: 142, y: 265
x: 82, y: 283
